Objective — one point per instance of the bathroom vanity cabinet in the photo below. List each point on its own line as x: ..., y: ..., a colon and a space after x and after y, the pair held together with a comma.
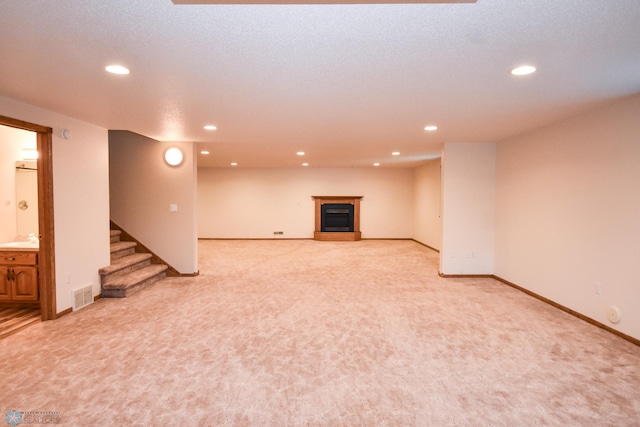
x: 18, y: 276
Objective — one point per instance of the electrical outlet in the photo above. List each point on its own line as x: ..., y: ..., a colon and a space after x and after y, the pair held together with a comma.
x: 598, y: 288
x: 470, y: 254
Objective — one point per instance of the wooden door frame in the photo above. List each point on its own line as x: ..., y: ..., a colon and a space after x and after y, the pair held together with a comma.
x: 46, y: 256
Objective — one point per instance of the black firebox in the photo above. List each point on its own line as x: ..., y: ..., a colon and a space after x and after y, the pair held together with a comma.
x: 336, y: 217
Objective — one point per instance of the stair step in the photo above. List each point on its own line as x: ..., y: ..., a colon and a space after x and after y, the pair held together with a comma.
x: 114, y: 235
x: 121, y: 249
x: 129, y: 270
x: 124, y: 265
x: 125, y: 285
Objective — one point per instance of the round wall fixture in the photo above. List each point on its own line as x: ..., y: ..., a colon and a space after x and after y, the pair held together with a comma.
x: 173, y: 156
x: 613, y: 313
x: 66, y: 133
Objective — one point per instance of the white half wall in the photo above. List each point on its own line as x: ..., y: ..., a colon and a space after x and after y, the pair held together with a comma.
x: 427, y: 227
x: 468, y: 208
x: 143, y: 188
x: 568, y: 213
x: 80, y: 198
x: 253, y: 203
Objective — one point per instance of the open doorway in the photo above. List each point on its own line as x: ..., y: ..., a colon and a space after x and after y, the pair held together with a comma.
x: 46, y: 252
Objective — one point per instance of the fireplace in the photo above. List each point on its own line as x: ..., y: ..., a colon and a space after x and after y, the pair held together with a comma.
x: 337, y: 218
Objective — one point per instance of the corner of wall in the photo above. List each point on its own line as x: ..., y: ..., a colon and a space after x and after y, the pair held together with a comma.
x: 468, y: 208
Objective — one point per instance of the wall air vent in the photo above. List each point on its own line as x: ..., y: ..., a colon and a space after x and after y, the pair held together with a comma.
x: 82, y: 297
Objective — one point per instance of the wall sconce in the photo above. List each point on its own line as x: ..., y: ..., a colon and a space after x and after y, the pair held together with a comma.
x: 173, y: 156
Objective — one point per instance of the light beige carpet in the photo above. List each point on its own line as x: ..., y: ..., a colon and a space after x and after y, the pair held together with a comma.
x: 305, y: 333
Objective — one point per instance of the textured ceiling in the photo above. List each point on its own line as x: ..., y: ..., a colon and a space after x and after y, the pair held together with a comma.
x: 347, y: 84
x: 315, y: 1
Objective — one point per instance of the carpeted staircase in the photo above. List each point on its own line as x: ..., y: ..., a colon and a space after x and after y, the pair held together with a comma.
x: 129, y: 271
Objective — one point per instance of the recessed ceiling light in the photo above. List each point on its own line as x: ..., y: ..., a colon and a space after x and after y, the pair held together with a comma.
x: 204, y: 152
x: 305, y: 164
x: 300, y: 153
x: 395, y: 153
x: 430, y: 128
x: 523, y: 70
x: 117, y: 69
x: 376, y: 164
x: 234, y: 164
x: 211, y: 127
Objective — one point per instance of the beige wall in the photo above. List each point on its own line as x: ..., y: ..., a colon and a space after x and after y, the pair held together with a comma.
x: 427, y: 226
x: 142, y: 189
x: 468, y: 208
x: 568, y: 213
x: 253, y: 203
x: 80, y: 198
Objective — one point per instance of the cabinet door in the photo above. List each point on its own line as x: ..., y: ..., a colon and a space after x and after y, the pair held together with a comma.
x: 5, y: 284
x: 25, y: 285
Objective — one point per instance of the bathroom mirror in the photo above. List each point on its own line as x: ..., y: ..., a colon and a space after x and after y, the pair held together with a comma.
x: 26, y: 199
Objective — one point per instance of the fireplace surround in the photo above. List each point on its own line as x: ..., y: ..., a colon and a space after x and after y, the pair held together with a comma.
x: 337, y: 218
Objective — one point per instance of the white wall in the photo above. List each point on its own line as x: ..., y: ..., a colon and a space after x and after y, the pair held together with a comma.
x: 143, y: 187
x: 12, y: 141
x: 80, y: 198
x: 427, y: 228
x: 253, y: 203
x: 568, y: 213
x: 468, y: 208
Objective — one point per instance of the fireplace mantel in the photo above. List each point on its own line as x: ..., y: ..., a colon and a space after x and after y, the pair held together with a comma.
x: 318, y: 234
